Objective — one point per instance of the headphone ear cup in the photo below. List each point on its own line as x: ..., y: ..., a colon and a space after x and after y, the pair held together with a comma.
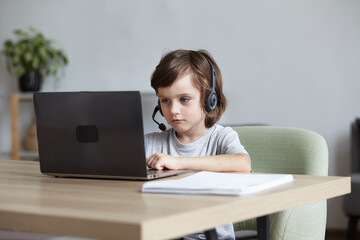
x: 211, y: 101
x: 159, y: 106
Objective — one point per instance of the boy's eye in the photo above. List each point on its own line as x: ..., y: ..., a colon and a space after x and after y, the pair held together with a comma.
x: 184, y: 99
x: 165, y: 101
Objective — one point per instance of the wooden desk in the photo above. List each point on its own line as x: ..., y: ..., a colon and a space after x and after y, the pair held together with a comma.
x: 113, y: 209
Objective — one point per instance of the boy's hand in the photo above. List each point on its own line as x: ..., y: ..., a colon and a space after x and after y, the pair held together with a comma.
x: 160, y: 161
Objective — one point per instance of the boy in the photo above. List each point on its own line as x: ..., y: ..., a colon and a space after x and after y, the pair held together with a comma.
x: 189, y: 88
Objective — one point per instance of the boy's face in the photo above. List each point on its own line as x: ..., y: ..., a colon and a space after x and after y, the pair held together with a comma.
x: 181, y: 106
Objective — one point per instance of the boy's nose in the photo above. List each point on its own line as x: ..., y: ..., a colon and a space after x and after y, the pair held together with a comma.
x: 175, y: 108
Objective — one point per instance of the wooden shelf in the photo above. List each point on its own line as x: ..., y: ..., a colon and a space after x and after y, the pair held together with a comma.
x: 15, y: 100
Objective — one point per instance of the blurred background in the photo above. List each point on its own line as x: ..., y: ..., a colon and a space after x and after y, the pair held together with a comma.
x: 285, y: 63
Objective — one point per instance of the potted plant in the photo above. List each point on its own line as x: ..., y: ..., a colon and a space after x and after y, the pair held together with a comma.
x: 31, y: 58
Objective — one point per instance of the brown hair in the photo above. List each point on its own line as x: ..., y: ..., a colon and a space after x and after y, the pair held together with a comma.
x: 173, y: 64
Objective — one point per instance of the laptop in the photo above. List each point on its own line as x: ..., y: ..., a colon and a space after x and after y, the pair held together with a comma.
x: 92, y: 134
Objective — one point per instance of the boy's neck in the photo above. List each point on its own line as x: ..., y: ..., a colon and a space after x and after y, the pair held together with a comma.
x: 186, y: 138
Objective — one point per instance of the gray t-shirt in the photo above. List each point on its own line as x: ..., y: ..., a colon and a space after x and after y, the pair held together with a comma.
x: 217, y: 140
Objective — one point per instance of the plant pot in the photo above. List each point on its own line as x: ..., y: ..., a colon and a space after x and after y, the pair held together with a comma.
x: 30, y: 82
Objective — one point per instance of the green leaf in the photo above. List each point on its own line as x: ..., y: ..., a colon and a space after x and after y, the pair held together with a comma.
x: 8, y: 44
x: 65, y: 60
x: 28, y: 57
x: 20, y: 71
x: 56, y: 67
x: 8, y: 51
x: 15, y: 60
x: 18, y: 32
x: 35, y: 63
x: 52, y: 53
x: 43, y: 53
x: 18, y: 50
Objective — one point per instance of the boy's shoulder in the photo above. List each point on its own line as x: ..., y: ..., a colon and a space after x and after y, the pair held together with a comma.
x: 158, y: 135
x: 222, y: 132
x: 219, y: 129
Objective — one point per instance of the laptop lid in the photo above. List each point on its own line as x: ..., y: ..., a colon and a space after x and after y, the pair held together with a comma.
x: 91, y: 134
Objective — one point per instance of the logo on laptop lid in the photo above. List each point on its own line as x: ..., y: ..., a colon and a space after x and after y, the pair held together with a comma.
x: 87, y: 134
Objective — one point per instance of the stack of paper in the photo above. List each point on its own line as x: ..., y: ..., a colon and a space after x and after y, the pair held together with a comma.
x: 218, y: 183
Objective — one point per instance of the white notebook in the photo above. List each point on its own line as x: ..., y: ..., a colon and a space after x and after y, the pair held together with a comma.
x: 218, y: 183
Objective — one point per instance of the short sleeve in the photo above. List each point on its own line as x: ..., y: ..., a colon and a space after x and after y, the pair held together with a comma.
x: 229, y: 142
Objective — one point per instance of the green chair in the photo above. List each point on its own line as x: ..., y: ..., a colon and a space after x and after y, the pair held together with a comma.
x: 293, y: 151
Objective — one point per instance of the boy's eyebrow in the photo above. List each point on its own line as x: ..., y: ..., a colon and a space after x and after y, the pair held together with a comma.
x: 180, y: 94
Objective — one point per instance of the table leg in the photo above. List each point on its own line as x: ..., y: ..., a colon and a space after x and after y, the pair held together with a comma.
x: 352, y: 228
x: 211, y: 234
x: 263, y: 227
x: 14, y: 106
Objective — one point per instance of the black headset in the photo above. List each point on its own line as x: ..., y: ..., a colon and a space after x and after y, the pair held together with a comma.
x: 210, y: 98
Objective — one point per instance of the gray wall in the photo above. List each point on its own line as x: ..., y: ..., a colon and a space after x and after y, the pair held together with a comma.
x: 284, y: 62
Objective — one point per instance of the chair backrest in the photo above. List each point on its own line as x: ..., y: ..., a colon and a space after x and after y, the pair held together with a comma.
x: 355, y: 146
x: 294, y: 151
x: 285, y: 150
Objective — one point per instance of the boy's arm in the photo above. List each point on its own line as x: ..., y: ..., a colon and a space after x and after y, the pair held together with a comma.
x: 217, y: 163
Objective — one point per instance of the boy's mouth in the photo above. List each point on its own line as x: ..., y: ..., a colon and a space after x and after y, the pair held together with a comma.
x: 177, y: 120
